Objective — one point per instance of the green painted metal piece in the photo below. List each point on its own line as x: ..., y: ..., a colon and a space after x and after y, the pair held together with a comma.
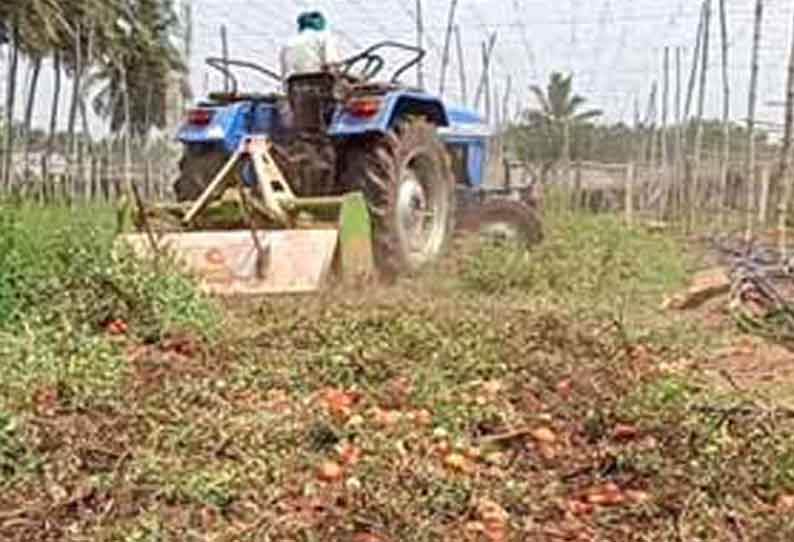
x: 355, y: 239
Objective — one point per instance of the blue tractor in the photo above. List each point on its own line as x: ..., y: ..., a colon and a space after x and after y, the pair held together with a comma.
x: 346, y: 130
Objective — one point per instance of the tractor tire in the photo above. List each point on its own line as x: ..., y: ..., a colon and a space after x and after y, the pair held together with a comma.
x: 503, y: 220
x: 196, y: 171
x: 406, y: 179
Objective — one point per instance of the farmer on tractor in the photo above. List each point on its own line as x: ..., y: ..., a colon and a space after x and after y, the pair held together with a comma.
x: 311, y: 50
x: 307, y: 69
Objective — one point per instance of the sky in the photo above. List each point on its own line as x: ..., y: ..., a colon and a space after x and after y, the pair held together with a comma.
x: 614, y: 48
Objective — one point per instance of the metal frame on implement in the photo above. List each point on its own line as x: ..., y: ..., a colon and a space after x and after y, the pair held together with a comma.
x: 277, y: 243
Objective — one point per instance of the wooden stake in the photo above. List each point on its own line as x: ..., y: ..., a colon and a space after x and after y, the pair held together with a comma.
x: 485, y: 70
x: 695, y: 191
x: 420, y: 42
x: 665, y: 106
x: 506, y: 101
x: 445, y: 58
x: 225, y: 53
x: 726, y: 112
x: 763, y: 202
x: 786, y: 157
x: 630, y: 194
x: 461, y: 67
x: 695, y: 64
x: 677, y: 176
x: 486, y: 59
x: 750, y: 170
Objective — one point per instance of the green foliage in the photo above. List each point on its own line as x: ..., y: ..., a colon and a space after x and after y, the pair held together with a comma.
x: 15, y: 457
x: 61, y: 268
x: 588, y: 261
x: 62, y: 284
x: 534, y: 141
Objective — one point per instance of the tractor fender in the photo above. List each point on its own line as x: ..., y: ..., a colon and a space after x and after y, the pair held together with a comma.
x: 231, y: 123
x: 394, y: 106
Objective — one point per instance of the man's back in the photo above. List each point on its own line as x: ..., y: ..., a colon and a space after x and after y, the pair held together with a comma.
x: 308, y: 52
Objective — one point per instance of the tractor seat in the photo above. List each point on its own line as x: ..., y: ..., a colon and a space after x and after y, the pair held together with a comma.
x: 312, y: 98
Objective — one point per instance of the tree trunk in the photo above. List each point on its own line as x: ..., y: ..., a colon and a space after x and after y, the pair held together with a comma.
x: 54, y: 112
x: 73, y: 108
x: 701, y: 106
x: 786, y: 155
x: 750, y: 171
x: 78, y: 70
x: 34, y: 82
x: 88, y: 146
x: 127, y: 133
x: 10, y: 103
x: 726, y: 112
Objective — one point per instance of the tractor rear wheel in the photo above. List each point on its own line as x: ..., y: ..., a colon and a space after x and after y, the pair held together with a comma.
x: 197, y: 168
x: 407, y: 181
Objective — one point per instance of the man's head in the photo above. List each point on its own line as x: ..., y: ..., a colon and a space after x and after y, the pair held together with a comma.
x: 311, y: 20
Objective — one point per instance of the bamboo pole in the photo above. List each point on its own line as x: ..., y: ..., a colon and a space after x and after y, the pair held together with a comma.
x: 695, y: 189
x: 726, y: 113
x: 750, y: 170
x: 630, y: 194
x: 653, y: 135
x: 461, y: 67
x: 686, y: 187
x: 225, y: 53
x: 506, y: 101
x: 667, y: 181
x: 695, y: 65
x: 420, y: 42
x: 763, y: 200
x: 486, y: 60
x: 677, y: 177
x: 445, y: 58
x: 485, y: 70
x: 665, y: 107
x: 786, y: 157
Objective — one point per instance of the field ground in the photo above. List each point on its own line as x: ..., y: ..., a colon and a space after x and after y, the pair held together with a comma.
x: 498, y: 397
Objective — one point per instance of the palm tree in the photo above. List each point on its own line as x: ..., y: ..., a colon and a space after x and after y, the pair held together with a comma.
x: 544, y: 135
x: 560, y: 109
x: 146, y: 57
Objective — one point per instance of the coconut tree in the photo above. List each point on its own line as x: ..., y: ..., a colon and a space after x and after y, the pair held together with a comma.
x: 146, y: 57
x: 559, y: 109
x: 545, y: 134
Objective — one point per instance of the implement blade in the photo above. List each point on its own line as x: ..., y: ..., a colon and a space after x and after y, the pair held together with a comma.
x: 298, y: 261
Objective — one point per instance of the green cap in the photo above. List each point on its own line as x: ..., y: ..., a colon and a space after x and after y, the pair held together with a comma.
x: 311, y: 20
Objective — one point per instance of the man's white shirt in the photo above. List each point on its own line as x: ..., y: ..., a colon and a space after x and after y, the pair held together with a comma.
x: 307, y: 52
